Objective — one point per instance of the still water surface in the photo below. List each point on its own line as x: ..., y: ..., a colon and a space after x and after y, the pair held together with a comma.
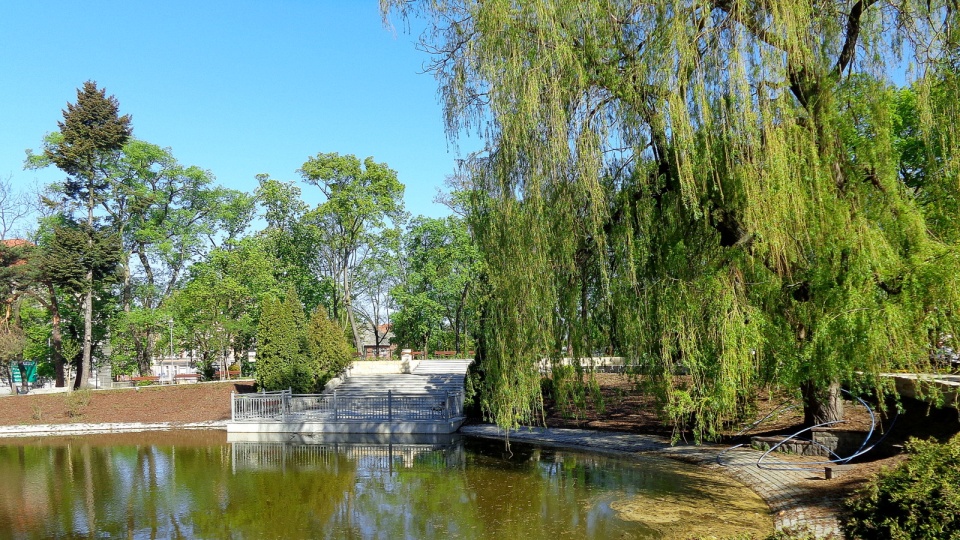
x: 198, y: 485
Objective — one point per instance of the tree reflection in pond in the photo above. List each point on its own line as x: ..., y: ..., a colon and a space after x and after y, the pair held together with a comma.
x: 196, y: 484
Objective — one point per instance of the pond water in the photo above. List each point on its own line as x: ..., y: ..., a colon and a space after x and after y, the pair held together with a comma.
x: 194, y: 484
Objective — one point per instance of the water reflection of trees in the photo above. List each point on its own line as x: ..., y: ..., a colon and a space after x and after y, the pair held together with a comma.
x: 197, y: 488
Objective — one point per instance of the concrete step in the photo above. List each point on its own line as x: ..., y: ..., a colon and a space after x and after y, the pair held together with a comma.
x: 430, y: 376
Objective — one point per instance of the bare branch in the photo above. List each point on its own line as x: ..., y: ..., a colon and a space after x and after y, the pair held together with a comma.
x: 13, y: 207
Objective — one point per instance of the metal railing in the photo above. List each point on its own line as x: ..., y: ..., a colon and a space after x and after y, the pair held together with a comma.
x: 262, y: 405
x: 387, y: 407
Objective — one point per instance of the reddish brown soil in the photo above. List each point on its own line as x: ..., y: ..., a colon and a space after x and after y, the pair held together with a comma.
x: 627, y: 410
x: 178, y: 403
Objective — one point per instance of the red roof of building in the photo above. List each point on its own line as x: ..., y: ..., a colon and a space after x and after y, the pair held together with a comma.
x: 16, y: 242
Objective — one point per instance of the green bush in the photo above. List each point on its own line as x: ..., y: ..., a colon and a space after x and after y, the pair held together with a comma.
x: 328, y: 352
x: 918, y: 499
x: 281, y: 346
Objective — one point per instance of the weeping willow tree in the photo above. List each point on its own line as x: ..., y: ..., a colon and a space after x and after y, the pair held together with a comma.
x: 716, y: 188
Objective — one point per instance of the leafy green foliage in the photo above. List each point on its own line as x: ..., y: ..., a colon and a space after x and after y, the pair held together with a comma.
x: 294, y: 353
x: 167, y: 214
x: 918, y: 499
x: 12, y: 342
x: 328, y: 352
x: 274, y: 371
x: 218, y: 306
x: 77, y: 251
x: 292, y: 241
x: 363, y: 199
x: 441, y: 265
x: 742, y: 204
x: 571, y: 389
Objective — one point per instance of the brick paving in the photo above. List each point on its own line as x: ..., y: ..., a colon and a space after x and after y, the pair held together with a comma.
x: 792, y: 495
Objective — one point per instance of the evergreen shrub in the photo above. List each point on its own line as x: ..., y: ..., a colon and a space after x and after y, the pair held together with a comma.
x: 917, y: 499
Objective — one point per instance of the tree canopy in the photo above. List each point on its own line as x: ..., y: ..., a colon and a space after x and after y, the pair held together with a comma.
x: 88, y: 145
x: 363, y: 199
x: 716, y: 189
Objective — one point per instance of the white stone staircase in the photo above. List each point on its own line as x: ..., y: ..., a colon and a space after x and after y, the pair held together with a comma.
x: 429, y: 377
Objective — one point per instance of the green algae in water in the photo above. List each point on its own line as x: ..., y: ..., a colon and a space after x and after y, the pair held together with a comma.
x: 707, y: 506
x: 196, y: 484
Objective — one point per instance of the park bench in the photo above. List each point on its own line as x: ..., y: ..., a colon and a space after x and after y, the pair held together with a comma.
x: 186, y: 377
x: 148, y: 379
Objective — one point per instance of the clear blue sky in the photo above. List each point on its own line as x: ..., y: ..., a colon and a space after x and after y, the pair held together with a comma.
x: 237, y: 88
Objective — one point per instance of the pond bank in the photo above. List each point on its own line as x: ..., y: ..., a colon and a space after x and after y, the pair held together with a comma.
x: 38, y: 430
x: 796, y: 498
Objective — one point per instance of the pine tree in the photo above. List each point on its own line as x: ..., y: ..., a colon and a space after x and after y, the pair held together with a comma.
x: 92, y: 136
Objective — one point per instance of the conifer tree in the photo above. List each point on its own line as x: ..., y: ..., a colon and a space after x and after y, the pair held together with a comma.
x: 92, y: 135
x: 270, y: 362
x: 282, y: 346
x: 328, y: 352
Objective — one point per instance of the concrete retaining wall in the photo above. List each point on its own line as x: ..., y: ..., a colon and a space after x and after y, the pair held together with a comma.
x: 927, y: 387
x: 381, y: 367
x: 361, y: 427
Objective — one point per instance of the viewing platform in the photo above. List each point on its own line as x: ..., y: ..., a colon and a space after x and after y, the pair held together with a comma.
x: 381, y: 400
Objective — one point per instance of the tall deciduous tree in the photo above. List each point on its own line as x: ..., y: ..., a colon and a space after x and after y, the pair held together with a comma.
x: 713, y: 182
x: 167, y: 215
x: 92, y: 136
x: 13, y: 208
x: 362, y: 199
x: 441, y: 265
x: 293, y: 240
x: 216, y: 311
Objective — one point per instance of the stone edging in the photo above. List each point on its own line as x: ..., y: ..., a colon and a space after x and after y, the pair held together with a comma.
x: 84, y: 429
x: 794, y: 503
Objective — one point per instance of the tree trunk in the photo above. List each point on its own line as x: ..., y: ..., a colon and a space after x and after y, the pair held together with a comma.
x: 821, y: 404
x: 7, y: 369
x: 142, y: 350
x: 348, y: 307
x: 83, y: 372
x: 458, y: 320
x: 56, y: 340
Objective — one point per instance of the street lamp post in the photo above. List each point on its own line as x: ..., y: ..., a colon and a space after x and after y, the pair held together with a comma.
x: 171, y: 339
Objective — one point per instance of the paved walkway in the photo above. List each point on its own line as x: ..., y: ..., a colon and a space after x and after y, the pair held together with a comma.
x: 792, y: 495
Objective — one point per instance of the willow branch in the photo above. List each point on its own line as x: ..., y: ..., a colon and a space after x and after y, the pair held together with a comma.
x: 853, y: 34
